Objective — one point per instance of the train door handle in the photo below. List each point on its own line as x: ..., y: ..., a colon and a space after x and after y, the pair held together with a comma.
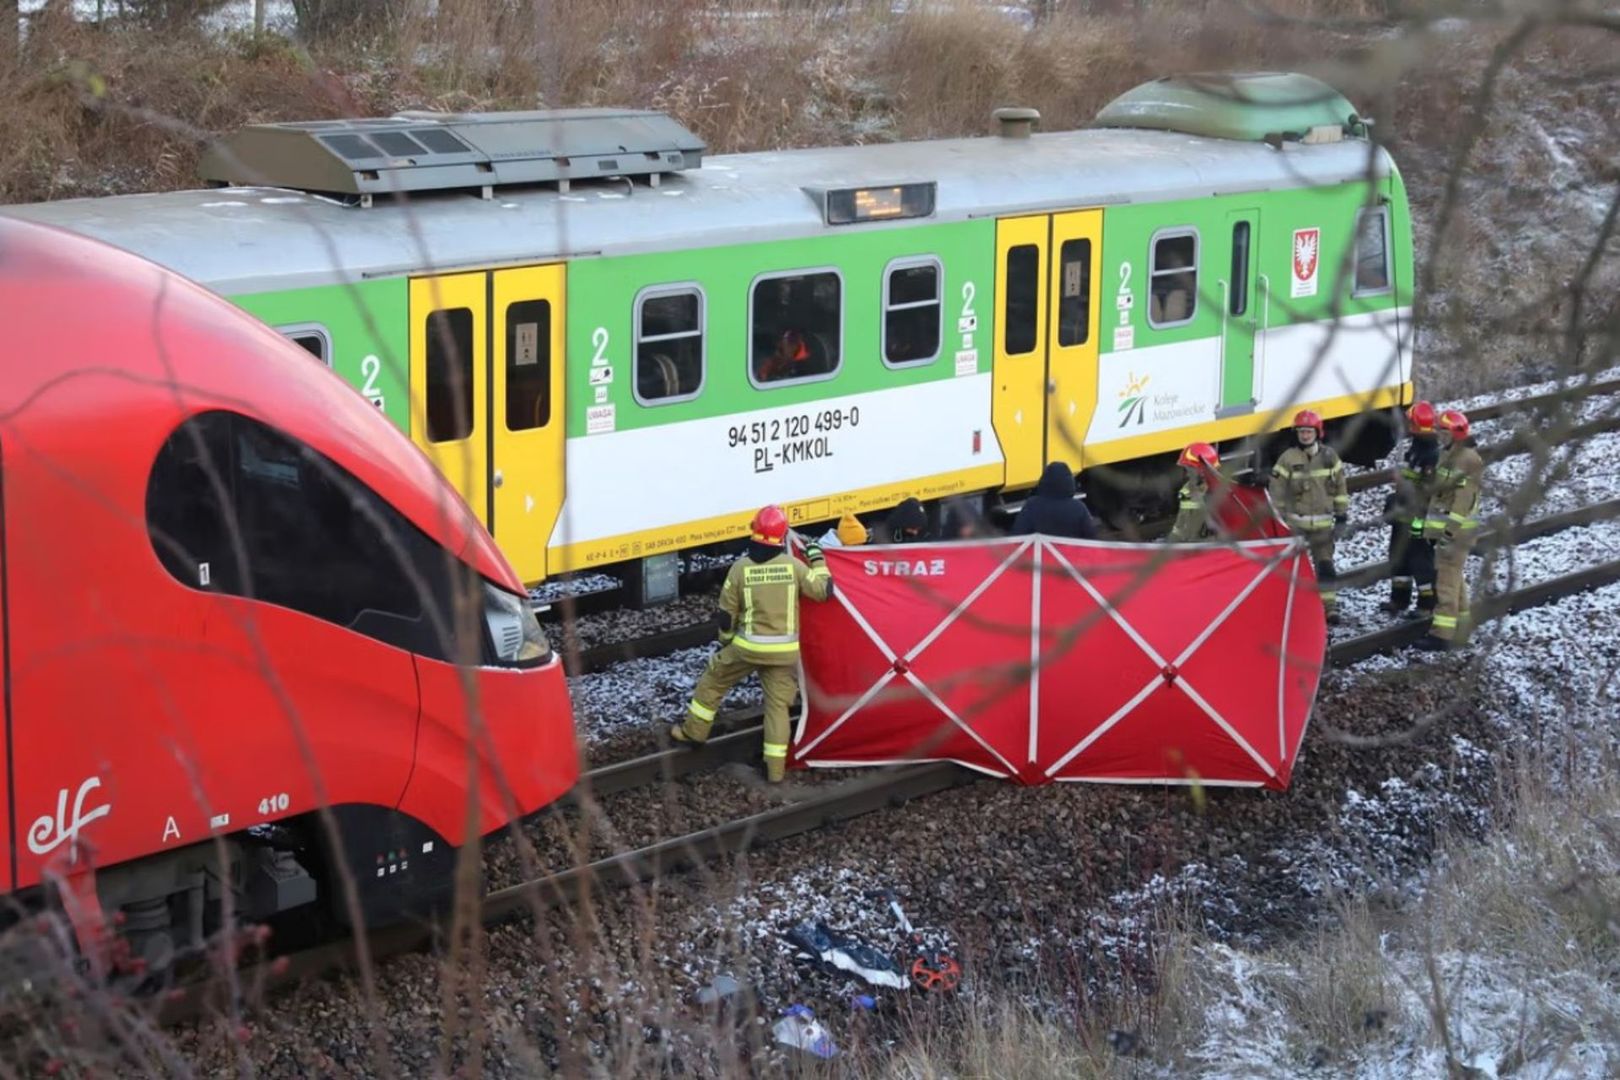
x: 499, y: 479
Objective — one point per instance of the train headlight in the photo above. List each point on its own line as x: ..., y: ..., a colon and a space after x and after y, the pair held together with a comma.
x: 513, y: 628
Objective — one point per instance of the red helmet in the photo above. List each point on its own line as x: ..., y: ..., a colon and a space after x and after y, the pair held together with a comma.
x: 1199, y: 453
x: 1307, y: 418
x: 1420, y: 417
x: 1454, y: 421
x: 769, y: 525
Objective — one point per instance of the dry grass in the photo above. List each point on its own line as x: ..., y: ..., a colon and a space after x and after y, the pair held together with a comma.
x: 100, y: 110
x: 1508, y: 958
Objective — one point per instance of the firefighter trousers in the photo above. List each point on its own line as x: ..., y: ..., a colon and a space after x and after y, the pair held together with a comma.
x: 1451, y: 589
x: 728, y: 667
x: 1411, y: 561
x: 1321, y: 543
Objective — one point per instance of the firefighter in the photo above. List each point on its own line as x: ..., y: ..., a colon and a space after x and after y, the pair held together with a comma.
x: 1452, y: 522
x: 759, y: 632
x: 1411, y: 556
x: 1309, y: 490
x: 1200, y: 465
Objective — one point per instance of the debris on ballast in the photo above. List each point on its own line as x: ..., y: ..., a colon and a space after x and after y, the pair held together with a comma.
x: 800, y: 1030
x: 820, y: 945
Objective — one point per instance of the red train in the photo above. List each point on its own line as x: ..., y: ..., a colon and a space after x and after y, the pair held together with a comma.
x: 232, y: 594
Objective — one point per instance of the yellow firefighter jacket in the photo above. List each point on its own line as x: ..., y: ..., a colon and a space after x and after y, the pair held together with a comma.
x: 1309, y: 489
x: 1454, y: 506
x: 1192, y: 520
x: 762, y: 599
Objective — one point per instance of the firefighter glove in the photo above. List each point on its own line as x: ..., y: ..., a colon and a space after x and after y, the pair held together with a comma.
x: 1341, y: 525
x: 812, y: 553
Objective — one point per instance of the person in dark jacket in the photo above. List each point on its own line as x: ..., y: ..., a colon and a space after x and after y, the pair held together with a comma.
x: 963, y: 521
x: 908, y: 523
x: 1054, y: 510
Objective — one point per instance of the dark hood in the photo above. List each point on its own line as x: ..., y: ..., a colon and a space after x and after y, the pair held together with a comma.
x: 1057, y: 482
x: 759, y: 552
x: 908, y: 515
x: 1425, y: 451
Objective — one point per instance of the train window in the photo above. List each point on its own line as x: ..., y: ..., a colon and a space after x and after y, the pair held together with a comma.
x: 1023, y: 303
x: 669, y: 344
x: 236, y: 507
x: 911, y: 312
x: 1238, y: 301
x: 1372, y: 251
x: 1074, y: 299
x: 528, y: 364
x: 312, y: 338
x: 449, y: 375
x: 796, y: 325
x: 1173, y: 279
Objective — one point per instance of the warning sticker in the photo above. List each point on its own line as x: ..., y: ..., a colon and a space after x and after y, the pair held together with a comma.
x: 598, y: 419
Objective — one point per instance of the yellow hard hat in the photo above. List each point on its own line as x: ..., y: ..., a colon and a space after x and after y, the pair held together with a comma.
x: 851, y: 533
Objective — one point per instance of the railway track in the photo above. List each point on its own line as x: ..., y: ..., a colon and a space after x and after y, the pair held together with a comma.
x: 737, y: 739
x: 601, y: 601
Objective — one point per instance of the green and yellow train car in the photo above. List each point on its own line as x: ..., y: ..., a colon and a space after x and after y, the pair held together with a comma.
x: 617, y: 347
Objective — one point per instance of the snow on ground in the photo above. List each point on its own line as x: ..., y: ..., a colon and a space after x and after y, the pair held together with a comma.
x: 650, y: 691
x: 1534, y: 389
x: 1547, y: 673
x: 1492, y: 1004
x: 553, y: 591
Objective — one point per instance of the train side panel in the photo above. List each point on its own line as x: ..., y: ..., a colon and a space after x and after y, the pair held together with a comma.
x: 646, y: 476
x: 363, y: 326
x: 1320, y: 341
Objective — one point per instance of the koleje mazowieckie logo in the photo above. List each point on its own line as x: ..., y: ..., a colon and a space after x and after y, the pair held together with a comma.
x: 1133, y: 403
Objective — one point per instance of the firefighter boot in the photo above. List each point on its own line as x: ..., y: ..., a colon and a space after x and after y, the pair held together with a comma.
x: 1327, y: 585
x: 1400, y: 595
x: 780, y: 684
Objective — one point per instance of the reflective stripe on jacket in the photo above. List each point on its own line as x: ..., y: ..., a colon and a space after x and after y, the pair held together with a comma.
x: 1309, y: 489
x: 1455, y: 501
x: 762, y: 599
x: 1192, y: 516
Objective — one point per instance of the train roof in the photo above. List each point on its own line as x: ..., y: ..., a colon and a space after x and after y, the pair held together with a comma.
x: 242, y: 240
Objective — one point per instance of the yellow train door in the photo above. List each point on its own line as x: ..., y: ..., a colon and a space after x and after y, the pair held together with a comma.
x: 450, y: 380
x: 1071, y: 362
x: 526, y: 367
x: 1020, y: 338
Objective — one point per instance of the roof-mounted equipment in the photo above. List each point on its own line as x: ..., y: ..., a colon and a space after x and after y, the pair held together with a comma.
x: 429, y: 151
x: 1270, y: 107
x: 1015, y: 123
x: 878, y: 202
